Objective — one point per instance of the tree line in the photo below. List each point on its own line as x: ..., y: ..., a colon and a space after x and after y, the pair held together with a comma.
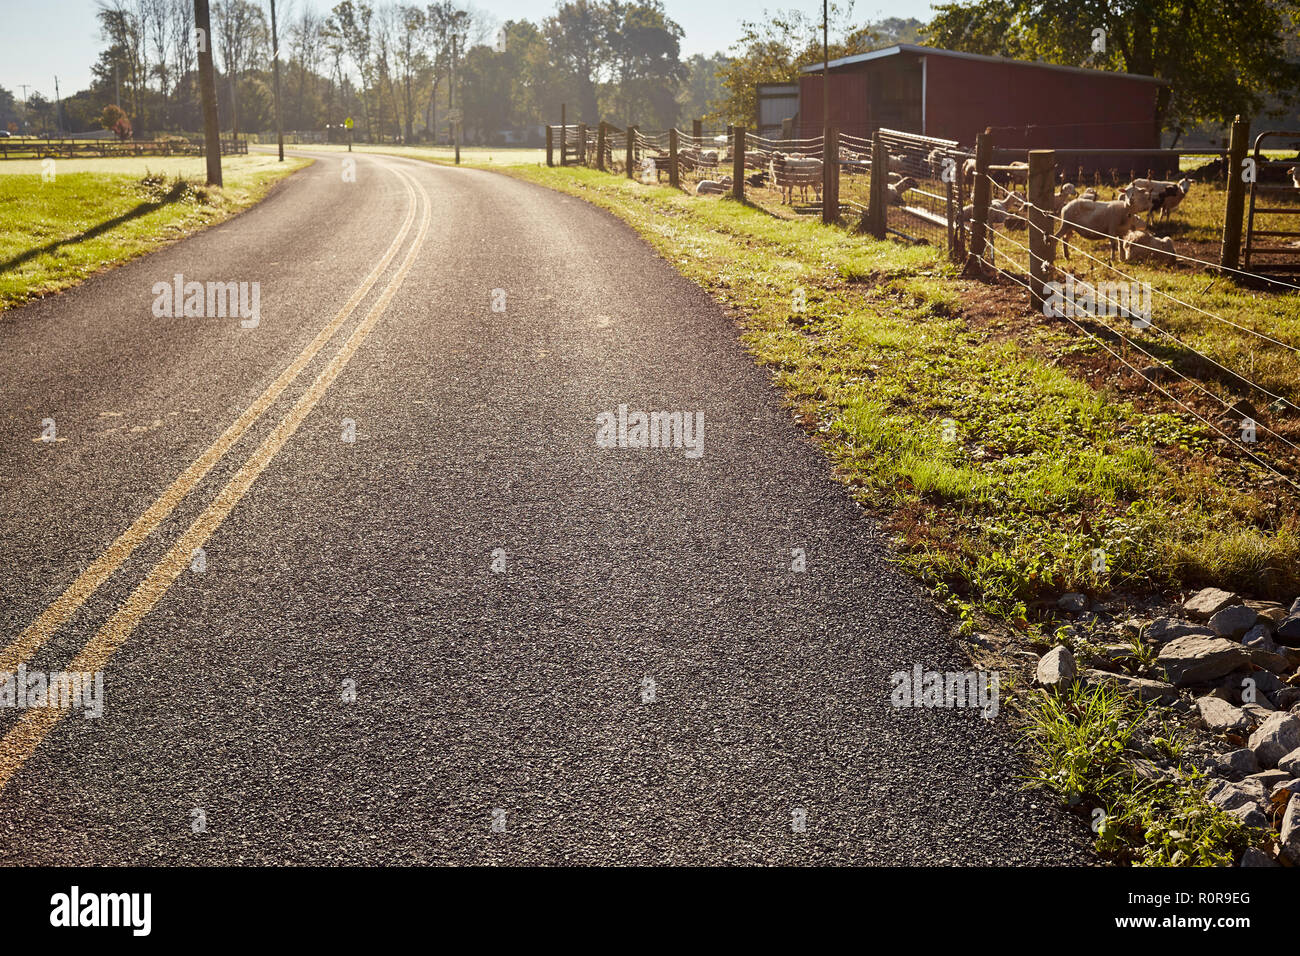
x: 399, y: 69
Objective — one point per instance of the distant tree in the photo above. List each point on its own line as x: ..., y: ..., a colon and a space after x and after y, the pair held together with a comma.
x: 774, y: 48
x: 701, y: 92
x: 114, y: 118
x: 578, y: 35
x: 1222, y: 57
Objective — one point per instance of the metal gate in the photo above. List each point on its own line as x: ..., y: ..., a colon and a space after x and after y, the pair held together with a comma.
x: 1281, y: 222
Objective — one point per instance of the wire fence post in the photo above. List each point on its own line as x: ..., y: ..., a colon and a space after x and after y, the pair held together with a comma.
x: 673, y: 179
x: 631, y: 150
x: 830, y: 174
x: 980, y: 224
x: 1230, y: 255
x: 600, y: 146
x: 952, y: 208
x: 738, y: 164
x: 550, y: 145
x: 1042, y: 193
x: 876, y: 214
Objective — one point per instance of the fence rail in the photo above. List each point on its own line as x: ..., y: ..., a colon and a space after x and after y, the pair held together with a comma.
x: 89, y: 149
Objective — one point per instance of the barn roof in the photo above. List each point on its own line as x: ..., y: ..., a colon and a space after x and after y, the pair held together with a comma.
x: 935, y: 51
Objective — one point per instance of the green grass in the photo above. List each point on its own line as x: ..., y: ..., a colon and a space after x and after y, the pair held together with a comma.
x: 98, y: 213
x: 1083, y: 746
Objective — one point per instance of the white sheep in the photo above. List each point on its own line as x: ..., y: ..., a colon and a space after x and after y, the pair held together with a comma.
x: 1165, y: 195
x: 1068, y: 192
x: 897, y: 189
x: 1100, y: 220
x: 1140, y: 245
x: 1294, y: 173
x: 707, y: 187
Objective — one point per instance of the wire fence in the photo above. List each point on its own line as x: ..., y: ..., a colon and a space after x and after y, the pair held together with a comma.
x: 1230, y: 371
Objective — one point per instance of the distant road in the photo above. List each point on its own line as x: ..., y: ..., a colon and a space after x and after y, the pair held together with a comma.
x: 642, y: 678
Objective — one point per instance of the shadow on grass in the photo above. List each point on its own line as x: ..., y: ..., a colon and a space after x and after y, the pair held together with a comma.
x: 176, y: 192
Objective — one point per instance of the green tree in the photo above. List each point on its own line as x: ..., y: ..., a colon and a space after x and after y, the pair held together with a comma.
x: 776, y: 47
x: 1222, y: 57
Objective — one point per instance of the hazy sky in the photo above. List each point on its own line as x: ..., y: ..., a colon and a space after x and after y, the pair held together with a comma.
x: 47, y: 38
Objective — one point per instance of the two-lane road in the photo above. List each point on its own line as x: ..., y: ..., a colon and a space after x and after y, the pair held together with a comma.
x: 439, y: 641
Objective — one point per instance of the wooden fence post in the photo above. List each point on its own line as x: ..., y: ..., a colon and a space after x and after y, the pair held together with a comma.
x: 673, y: 179
x: 787, y: 128
x: 550, y: 145
x: 1042, y: 191
x: 600, y: 146
x: 697, y: 131
x: 582, y: 144
x: 830, y: 175
x: 1233, y: 210
x: 564, y: 138
x: 631, y: 151
x: 980, y: 225
x: 738, y: 165
x: 877, y: 217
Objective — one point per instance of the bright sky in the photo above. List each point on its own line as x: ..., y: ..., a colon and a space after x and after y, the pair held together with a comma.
x: 43, y: 39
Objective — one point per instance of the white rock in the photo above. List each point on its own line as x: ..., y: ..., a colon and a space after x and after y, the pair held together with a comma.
x: 1057, y: 667
x: 1276, y: 738
x: 1221, y: 717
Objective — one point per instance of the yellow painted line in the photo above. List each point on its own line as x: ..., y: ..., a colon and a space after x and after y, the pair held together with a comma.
x: 35, y: 723
x: 30, y: 640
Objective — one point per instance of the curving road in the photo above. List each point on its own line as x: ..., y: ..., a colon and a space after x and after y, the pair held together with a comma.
x: 434, y: 643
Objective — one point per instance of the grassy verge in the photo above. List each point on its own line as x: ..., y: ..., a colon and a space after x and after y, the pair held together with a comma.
x: 98, y: 213
x: 1002, y: 449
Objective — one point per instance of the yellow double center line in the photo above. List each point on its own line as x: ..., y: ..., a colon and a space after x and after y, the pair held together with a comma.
x: 26, y: 735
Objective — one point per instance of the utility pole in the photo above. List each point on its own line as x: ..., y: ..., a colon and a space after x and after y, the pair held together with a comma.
x: 58, y: 109
x: 275, y: 60
x: 455, y: 54
x: 27, y: 125
x: 208, y: 92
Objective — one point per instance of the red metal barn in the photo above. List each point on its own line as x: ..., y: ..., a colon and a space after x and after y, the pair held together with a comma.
x: 956, y: 95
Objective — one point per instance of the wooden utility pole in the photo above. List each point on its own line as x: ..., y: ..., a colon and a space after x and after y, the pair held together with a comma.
x: 208, y: 92
x: 1042, y: 192
x: 275, y: 65
x: 1230, y: 255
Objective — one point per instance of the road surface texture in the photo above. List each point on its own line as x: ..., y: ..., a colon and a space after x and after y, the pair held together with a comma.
x: 436, y: 643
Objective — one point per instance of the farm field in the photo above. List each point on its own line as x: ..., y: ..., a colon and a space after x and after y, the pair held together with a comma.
x: 102, y: 212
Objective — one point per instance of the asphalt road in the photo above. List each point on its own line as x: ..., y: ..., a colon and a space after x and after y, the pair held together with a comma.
x: 350, y: 680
